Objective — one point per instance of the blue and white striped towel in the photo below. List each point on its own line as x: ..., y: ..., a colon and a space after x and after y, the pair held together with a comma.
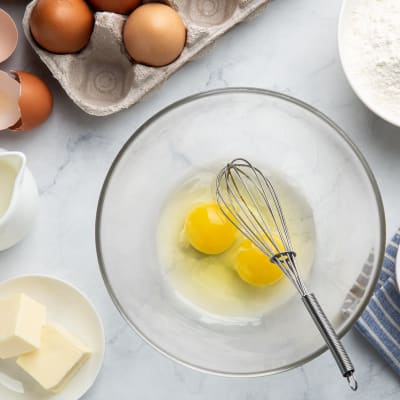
x: 380, y: 321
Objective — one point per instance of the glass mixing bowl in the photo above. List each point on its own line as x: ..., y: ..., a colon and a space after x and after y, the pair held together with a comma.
x: 212, y: 128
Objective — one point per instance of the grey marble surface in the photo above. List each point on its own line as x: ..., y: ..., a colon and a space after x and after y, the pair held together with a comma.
x: 291, y: 48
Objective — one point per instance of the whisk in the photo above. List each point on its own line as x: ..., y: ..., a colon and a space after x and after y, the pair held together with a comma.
x: 248, y: 199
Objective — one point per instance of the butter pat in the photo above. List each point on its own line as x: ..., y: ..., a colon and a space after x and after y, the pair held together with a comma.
x: 21, y: 322
x: 58, y: 359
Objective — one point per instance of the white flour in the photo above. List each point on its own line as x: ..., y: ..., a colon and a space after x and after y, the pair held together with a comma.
x: 372, y: 50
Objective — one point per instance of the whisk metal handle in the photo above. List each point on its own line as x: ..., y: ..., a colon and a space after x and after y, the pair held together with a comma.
x: 331, y: 339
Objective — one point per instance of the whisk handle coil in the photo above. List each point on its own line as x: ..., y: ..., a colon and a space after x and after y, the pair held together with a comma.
x: 333, y: 342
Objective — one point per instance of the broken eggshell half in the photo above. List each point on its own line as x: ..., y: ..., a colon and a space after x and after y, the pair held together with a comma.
x: 10, y: 91
x: 8, y: 35
x: 35, y: 101
x: 26, y: 100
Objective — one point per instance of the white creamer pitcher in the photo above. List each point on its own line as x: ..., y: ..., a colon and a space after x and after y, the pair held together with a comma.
x: 18, y: 198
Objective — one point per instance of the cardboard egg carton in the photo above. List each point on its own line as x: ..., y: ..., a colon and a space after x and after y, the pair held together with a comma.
x: 102, y: 79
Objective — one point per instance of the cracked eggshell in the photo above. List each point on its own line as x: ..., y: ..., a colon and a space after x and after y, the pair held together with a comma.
x: 10, y: 91
x: 8, y: 35
x: 102, y: 79
x: 35, y: 101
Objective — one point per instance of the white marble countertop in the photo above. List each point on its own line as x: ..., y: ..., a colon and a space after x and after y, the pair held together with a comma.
x: 291, y: 48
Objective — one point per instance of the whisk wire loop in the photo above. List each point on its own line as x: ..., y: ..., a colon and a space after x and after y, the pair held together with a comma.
x: 257, y: 221
x: 247, y: 197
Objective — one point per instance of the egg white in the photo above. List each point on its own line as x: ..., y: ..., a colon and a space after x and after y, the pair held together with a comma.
x: 209, y: 284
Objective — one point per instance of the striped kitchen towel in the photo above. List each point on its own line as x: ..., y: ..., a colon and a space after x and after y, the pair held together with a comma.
x: 380, y: 321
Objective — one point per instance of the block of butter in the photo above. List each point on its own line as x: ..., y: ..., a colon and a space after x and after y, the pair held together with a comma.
x: 58, y: 359
x: 21, y: 322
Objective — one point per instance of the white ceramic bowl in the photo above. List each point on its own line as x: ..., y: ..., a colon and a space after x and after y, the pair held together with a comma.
x: 371, y: 101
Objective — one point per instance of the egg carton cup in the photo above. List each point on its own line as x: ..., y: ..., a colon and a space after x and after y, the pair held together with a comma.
x: 103, y: 79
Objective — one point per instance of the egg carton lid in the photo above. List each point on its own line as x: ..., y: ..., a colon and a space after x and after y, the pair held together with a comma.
x: 102, y: 79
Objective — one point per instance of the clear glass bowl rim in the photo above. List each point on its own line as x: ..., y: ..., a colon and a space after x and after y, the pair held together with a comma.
x: 235, y: 90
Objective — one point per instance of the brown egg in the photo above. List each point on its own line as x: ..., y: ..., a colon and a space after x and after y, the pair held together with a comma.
x: 117, y: 6
x: 62, y: 26
x: 35, y: 101
x: 154, y: 34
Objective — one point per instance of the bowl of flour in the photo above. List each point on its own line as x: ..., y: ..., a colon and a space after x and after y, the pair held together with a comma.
x: 369, y: 48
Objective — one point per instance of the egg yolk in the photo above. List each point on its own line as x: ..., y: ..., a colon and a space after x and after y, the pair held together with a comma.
x: 208, y: 230
x: 254, y: 267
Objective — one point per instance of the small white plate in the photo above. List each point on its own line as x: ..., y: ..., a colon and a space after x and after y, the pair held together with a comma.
x: 345, y: 22
x: 68, y: 307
